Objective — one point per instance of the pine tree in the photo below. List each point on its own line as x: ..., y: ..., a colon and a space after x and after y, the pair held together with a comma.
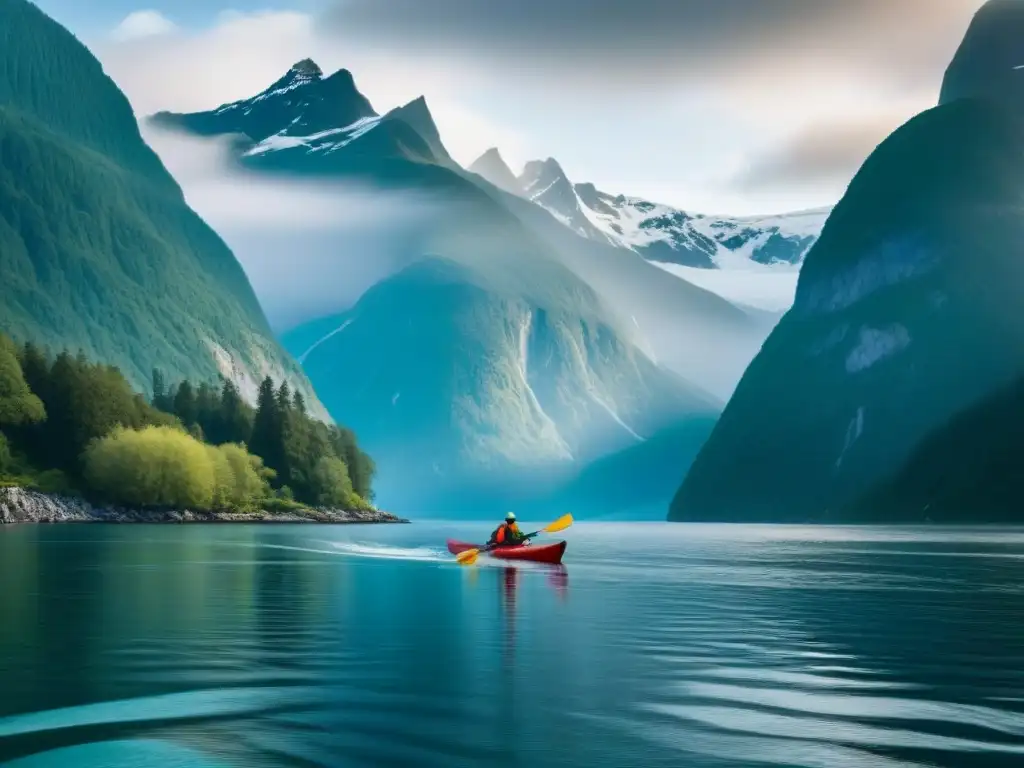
x: 185, y: 404
x: 160, y: 399
x: 266, y: 427
x: 35, y: 368
x: 208, y: 412
x: 236, y: 416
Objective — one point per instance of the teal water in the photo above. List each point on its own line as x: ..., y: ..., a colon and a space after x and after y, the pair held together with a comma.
x: 655, y: 646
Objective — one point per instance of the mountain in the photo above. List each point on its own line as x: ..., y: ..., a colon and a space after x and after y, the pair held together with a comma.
x: 502, y: 350
x: 301, y: 103
x: 659, y: 233
x: 492, y: 167
x: 98, y: 249
x: 989, y: 63
x: 905, y: 314
x: 966, y: 471
x: 496, y: 376
x: 545, y: 183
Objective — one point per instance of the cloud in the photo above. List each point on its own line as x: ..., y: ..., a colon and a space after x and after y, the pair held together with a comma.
x: 243, y: 53
x: 304, y: 245
x: 649, y: 42
x: 826, y: 153
x: 139, y: 25
x: 674, y: 100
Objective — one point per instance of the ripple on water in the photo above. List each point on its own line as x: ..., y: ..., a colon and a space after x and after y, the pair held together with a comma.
x: 129, y: 753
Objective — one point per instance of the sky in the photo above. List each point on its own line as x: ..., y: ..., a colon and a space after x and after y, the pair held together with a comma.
x: 715, y: 106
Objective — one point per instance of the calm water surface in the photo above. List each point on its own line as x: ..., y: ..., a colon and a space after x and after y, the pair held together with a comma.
x: 655, y: 646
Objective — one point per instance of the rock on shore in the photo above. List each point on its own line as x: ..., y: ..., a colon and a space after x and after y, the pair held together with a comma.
x: 18, y: 505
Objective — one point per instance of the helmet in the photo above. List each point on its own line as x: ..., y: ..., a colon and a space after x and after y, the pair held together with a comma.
x: 510, y: 517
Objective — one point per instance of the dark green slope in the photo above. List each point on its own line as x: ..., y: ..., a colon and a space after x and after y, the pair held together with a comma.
x: 968, y: 470
x: 46, y: 73
x: 907, y: 311
x: 98, y: 249
x: 987, y: 63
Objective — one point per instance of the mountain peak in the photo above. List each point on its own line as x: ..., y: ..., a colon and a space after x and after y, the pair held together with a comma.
x: 307, y: 67
x: 989, y: 63
x: 417, y: 115
x: 492, y: 166
x: 541, y: 175
x: 300, y: 103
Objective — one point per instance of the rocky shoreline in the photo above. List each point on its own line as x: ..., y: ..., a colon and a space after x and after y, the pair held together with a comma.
x: 18, y: 505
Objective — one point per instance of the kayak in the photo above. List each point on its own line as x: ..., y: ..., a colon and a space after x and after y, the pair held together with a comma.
x: 534, y: 553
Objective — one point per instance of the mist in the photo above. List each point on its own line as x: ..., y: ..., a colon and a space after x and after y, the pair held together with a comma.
x: 309, y: 248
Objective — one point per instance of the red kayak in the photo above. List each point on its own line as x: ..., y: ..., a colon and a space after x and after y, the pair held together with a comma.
x: 535, y: 553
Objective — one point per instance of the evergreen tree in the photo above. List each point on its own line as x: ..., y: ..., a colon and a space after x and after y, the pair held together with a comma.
x: 236, y: 416
x: 160, y: 397
x: 185, y: 404
x: 35, y: 368
x: 266, y: 426
x: 208, y: 412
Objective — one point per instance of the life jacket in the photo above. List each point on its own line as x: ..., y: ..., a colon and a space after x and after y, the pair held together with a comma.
x: 506, y: 533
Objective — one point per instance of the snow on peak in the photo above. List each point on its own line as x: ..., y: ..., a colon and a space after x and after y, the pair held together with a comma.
x: 658, y: 232
x: 323, y: 141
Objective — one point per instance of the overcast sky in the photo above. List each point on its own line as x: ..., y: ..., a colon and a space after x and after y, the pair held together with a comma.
x: 720, y: 106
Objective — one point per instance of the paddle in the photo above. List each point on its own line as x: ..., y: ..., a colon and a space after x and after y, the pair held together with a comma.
x: 470, y: 555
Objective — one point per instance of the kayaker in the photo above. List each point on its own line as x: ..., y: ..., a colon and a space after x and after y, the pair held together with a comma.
x: 508, y: 534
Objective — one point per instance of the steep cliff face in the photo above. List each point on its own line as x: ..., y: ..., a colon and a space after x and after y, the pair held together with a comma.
x: 989, y: 63
x: 905, y: 314
x: 98, y: 249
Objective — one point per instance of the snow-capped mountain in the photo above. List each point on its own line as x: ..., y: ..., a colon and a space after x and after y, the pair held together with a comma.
x: 302, y: 103
x: 658, y: 232
x: 501, y: 345
x: 318, y: 115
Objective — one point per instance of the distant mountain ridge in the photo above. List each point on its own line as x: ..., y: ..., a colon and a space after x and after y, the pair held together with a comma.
x: 658, y: 232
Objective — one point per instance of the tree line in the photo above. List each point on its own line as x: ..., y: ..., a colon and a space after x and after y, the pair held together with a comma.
x: 68, y: 425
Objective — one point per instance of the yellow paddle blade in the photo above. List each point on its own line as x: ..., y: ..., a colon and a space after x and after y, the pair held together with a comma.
x: 559, y: 525
x: 468, y: 557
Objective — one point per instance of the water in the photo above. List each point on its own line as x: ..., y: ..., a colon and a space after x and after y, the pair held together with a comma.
x: 657, y: 645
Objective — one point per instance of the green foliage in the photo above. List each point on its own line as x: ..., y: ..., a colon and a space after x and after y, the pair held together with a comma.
x: 99, y: 432
x: 249, y: 478
x: 156, y: 466
x: 17, y: 403
x: 331, y: 483
x: 6, y: 459
x: 277, y: 504
x: 282, y: 433
x: 53, y: 481
x: 164, y: 467
x: 83, y: 401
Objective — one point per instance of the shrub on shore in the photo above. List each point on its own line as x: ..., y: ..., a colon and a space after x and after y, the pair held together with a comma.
x: 69, y: 424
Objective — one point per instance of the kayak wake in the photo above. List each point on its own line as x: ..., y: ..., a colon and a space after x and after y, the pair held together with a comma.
x: 385, y: 552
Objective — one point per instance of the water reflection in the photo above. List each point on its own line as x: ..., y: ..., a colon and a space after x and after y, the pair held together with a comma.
x: 508, y: 581
x: 720, y: 647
